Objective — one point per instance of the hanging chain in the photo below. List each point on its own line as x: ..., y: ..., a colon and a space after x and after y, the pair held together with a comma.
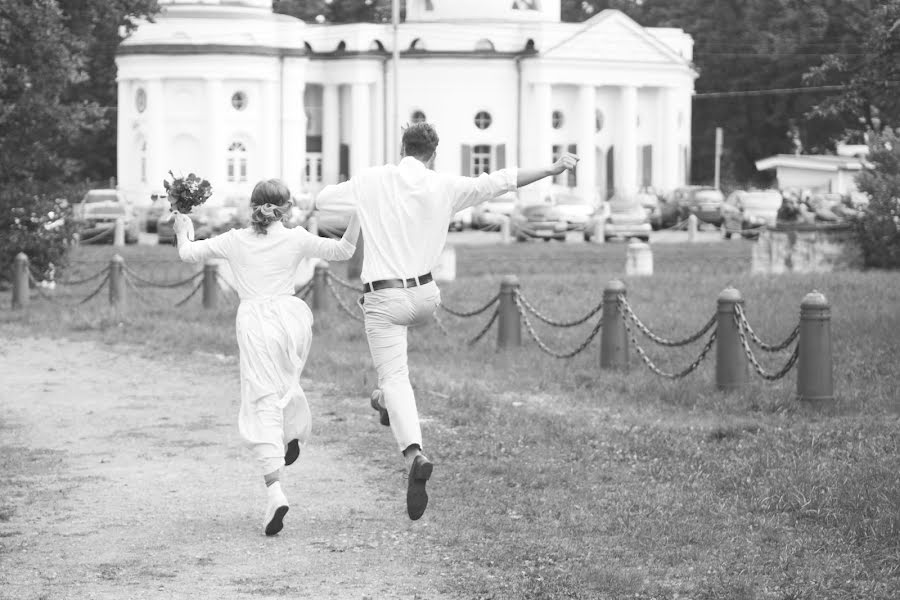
x: 440, y: 324
x: 481, y: 333
x: 749, y: 352
x: 474, y: 312
x: 191, y: 295
x: 679, y: 375
x: 627, y: 310
x: 340, y: 301
x: 544, y: 346
x: 553, y: 323
x: 174, y: 284
x: 755, y: 338
x: 343, y: 282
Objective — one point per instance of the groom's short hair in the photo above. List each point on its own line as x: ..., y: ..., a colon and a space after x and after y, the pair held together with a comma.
x: 420, y: 140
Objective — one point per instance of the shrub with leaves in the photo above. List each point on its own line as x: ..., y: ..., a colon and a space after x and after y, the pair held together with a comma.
x: 878, y: 231
x: 37, y: 222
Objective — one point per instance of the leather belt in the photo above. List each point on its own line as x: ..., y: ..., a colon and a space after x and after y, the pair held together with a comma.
x: 397, y: 283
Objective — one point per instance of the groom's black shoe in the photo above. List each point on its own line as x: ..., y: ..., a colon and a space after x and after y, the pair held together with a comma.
x: 384, y: 418
x: 416, y: 496
x: 292, y: 453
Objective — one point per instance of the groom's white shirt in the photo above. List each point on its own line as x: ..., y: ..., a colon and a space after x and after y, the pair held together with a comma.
x: 405, y: 210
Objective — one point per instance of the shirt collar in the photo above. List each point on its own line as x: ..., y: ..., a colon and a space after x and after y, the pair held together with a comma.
x: 408, y: 162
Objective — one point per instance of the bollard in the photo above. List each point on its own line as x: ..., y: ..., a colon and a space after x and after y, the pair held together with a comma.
x: 509, y: 330
x: 119, y: 232
x: 20, y: 295
x: 210, y: 285
x: 638, y: 258
x: 692, y: 228
x: 355, y: 264
x: 505, y: 235
x: 312, y: 224
x: 731, y: 362
x: 599, y: 233
x: 117, y: 281
x: 320, y: 287
x: 613, y: 337
x: 814, y: 372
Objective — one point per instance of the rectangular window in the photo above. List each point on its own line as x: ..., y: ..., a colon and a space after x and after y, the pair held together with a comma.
x: 230, y: 169
x: 243, y: 169
x: 481, y: 160
x: 646, y: 165
x: 313, y: 171
x: 143, y: 169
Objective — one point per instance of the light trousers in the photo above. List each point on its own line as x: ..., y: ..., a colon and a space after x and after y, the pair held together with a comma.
x: 389, y: 314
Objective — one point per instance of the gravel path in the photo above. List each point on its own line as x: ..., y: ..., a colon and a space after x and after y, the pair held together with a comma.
x: 123, y: 476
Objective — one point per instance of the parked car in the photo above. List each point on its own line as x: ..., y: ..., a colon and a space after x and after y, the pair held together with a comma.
x: 166, y: 233
x: 703, y: 201
x: 159, y: 206
x: 745, y: 212
x: 650, y: 200
x: 462, y: 220
x: 97, y: 196
x: 622, y: 217
x: 573, y: 209
x: 490, y: 214
x: 98, y: 214
x: 543, y: 221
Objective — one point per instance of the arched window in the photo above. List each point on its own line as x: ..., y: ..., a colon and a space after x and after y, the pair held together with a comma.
x: 558, y: 119
x: 482, y: 119
x: 417, y: 44
x: 484, y: 45
x: 236, y: 166
x: 529, y: 45
x: 239, y: 100
x: 417, y: 116
x: 376, y: 46
x: 342, y: 45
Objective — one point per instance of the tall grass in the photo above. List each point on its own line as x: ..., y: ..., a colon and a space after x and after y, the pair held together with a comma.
x: 557, y: 479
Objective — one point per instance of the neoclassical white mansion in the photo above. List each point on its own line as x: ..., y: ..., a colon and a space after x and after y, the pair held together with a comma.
x: 236, y: 93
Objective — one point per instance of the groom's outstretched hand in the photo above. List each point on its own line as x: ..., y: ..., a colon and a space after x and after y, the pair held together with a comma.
x: 565, y: 162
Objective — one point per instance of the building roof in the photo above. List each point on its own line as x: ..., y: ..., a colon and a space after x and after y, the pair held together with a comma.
x: 814, y: 162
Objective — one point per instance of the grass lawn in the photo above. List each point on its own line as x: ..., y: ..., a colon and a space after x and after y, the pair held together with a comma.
x: 555, y: 479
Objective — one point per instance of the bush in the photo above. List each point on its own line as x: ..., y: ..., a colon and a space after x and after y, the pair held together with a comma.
x: 878, y: 230
x: 34, y: 219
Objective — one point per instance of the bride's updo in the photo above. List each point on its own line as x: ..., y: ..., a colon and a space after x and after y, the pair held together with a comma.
x: 269, y: 202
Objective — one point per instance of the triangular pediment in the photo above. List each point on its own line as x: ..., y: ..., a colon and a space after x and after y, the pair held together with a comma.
x: 613, y: 35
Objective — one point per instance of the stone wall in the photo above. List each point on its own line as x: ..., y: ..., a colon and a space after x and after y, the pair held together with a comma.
x: 806, y: 248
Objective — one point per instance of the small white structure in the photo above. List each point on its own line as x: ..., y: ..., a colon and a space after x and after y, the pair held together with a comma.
x: 638, y: 258
x: 235, y: 93
x: 818, y: 173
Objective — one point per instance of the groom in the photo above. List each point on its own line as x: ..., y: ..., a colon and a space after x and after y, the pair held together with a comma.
x: 404, y: 212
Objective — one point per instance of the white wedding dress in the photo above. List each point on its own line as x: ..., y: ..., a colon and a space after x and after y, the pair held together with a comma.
x: 274, y: 328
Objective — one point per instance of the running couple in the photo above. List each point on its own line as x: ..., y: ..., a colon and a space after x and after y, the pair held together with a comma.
x: 404, y: 211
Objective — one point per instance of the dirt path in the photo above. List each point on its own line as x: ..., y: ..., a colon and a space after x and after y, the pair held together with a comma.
x: 124, y: 477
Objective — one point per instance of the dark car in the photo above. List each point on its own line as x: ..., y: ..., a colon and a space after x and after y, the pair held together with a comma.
x: 703, y: 201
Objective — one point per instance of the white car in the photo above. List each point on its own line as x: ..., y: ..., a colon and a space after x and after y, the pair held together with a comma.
x: 620, y: 218
x: 573, y: 209
x: 492, y: 213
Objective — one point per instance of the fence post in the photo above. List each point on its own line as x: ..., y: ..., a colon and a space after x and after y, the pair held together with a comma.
x: 692, y: 227
x: 20, y: 295
x: 814, y: 372
x: 210, y: 285
x: 598, y: 235
x: 119, y: 232
x: 320, y: 287
x: 509, y: 329
x: 117, y: 281
x: 613, y: 337
x: 731, y: 362
x: 638, y: 258
x: 505, y: 234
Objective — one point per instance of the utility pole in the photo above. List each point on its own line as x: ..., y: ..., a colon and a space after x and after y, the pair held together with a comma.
x: 718, y: 155
x: 394, y: 136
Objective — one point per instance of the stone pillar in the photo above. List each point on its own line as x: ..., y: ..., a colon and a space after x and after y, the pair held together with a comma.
x: 626, y: 144
x: 331, y: 133
x: 669, y: 140
x: 587, y: 166
x: 379, y: 154
x: 542, y: 151
x: 157, y: 149
x: 270, y: 166
x: 361, y: 124
x: 126, y: 161
x: 293, y: 126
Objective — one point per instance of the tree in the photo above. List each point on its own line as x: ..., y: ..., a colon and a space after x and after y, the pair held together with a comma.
x: 878, y: 231
x: 339, y: 11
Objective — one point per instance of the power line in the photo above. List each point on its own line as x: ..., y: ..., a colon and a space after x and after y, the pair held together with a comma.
x: 770, y: 92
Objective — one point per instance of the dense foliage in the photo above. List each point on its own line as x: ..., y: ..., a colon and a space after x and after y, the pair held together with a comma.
x: 879, y: 229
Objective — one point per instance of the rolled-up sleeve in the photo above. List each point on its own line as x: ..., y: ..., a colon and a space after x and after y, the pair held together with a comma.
x: 338, y: 198
x: 469, y: 191
x: 203, y: 250
x: 313, y: 246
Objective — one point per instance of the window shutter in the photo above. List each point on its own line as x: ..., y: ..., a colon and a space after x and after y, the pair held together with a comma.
x: 501, y: 155
x: 466, y: 160
x: 573, y: 175
x: 648, y: 166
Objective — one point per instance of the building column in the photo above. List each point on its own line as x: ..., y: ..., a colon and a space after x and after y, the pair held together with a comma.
x: 587, y: 166
x: 217, y: 144
x: 669, y: 141
x: 293, y: 127
x: 331, y: 133
x: 157, y: 152
x: 125, y: 159
x: 361, y: 138
x: 542, y: 152
x: 626, y: 144
x: 377, y: 118
x: 268, y: 164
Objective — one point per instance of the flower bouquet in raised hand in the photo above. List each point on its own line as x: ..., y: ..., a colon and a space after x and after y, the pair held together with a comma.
x: 185, y: 193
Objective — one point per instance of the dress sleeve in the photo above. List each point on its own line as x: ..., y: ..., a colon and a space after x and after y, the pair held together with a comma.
x: 469, y: 191
x: 200, y: 251
x: 313, y: 246
x: 339, y: 198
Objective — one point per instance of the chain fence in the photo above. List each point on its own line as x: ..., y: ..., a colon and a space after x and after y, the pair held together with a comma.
x: 739, y: 313
x: 745, y: 344
x: 552, y: 322
x: 546, y: 349
x: 629, y: 313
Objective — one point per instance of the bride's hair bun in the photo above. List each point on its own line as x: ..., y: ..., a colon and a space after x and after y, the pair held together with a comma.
x: 270, y: 201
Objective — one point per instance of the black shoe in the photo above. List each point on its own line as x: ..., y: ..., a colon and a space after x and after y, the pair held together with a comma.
x: 384, y: 418
x: 416, y: 496
x: 292, y: 453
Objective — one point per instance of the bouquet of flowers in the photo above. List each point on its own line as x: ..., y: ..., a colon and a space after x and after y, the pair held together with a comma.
x: 185, y: 193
